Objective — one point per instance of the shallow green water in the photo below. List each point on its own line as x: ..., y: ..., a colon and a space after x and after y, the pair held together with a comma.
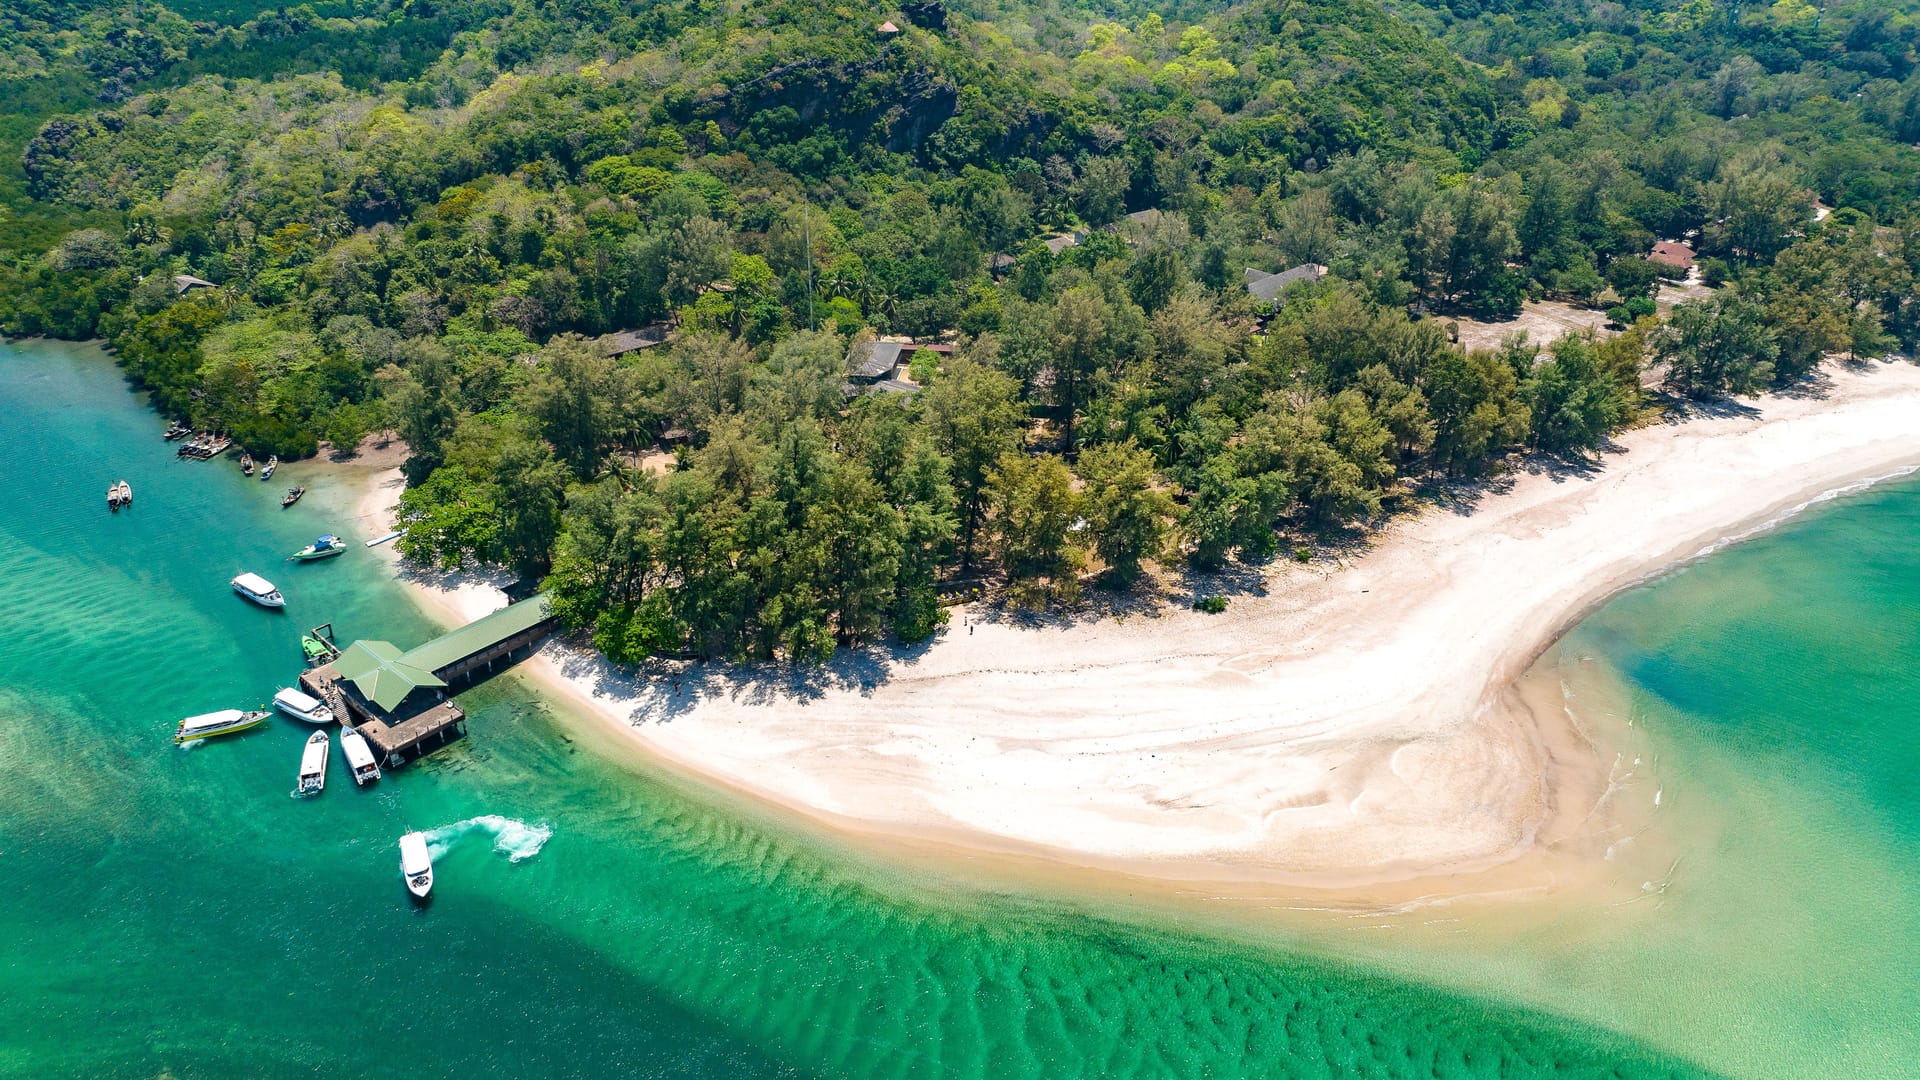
x: 176, y: 911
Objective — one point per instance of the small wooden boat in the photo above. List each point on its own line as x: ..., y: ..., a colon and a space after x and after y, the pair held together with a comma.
x: 259, y: 590
x: 313, y: 765
x: 416, y: 864
x: 292, y: 496
x: 224, y: 722
x: 272, y: 464
x: 359, y: 756
x: 324, y: 548
x: 246, y: 464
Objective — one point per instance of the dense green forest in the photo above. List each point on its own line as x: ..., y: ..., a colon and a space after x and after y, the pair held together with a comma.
x: 428, y: 216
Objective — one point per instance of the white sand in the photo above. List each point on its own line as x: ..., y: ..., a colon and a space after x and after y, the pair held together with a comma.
x: 1353, y: 730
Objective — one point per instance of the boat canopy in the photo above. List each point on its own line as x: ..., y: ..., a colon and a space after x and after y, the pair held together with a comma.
x: 256, y: 584
x: 413, y: 855
x: 296, y: 700
x: 354, y: 745
x: 327, y: 541
x: 212, y: 719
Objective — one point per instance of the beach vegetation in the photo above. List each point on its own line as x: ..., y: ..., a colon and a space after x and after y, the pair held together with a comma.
x: 543, y: 244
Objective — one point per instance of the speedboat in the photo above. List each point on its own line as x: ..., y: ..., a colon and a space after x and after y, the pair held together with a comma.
x: 272, y: 464
x: 325, y: 547
x: 224, y: 722
x: 302, y: 707
x: 126, y: 493
x: 246, y: 463
x: 315, y: 650
x: 359, y: 756
x: 292, y: 496
x: 416, y: 864
x: 313, y: 765
x: 259, y: 590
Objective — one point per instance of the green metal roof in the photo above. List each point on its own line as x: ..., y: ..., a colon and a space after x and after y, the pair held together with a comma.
x: 457, y: 645
x: 381, y: 674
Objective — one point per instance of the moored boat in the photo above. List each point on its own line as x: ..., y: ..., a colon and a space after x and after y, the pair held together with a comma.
x: 301, y: 706
x: 313, y: 764
x: 224, y: 722
x: 259, y: 590
x: 246, y: 463
x: 119, y: 495
x: 316, y: 651
x: 292, y: 496
x: 416, y: 864
x: 359, y: 756
x: 326, y: 547
x: 272, y: 464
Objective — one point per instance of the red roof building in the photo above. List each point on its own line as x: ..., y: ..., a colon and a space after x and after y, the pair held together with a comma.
x: 1672, y: 253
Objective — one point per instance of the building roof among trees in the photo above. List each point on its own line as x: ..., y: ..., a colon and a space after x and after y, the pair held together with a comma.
x: 873, y: 359
x: 1673, y: 253
x: 1265, y: 286
x: 184, y: 282
x: 626, y: 341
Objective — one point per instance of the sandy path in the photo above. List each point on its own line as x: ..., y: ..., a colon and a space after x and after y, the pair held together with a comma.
x: 1354, y: 732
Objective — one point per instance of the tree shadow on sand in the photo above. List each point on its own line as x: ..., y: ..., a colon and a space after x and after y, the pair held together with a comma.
x: 661, y: 689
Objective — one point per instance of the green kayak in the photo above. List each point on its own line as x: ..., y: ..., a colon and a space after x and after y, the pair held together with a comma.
x: 324, y: 548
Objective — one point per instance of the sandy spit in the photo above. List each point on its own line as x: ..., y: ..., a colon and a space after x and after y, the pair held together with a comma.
x: 1358, y: 735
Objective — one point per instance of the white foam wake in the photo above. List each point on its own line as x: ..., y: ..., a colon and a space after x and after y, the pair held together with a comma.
x: 517, y: 840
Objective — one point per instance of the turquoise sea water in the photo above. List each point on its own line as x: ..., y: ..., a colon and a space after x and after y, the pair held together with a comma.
x: 167, y: 911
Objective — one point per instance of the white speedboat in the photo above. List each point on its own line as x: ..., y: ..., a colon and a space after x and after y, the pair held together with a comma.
x: 359, y: 756
x: 416, y: 864
x: 259, y: 590
x: 313, y: 765
x: 223, y: 722
x: 302, y: 707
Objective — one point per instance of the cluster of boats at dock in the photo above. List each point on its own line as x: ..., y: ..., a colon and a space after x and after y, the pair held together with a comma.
x: 300, y: 706
x: 416, y: 862
x: 204, y: 447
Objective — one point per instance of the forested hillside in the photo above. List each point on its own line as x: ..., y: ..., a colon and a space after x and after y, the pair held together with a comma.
x: 450, y: 219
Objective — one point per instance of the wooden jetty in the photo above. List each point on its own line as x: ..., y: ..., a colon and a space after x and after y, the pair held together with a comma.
x: 401, y: 701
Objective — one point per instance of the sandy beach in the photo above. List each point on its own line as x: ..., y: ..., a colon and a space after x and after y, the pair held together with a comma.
x: 1355, y: 731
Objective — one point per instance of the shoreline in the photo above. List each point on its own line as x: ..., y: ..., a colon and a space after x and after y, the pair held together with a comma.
x: 1361, y: 740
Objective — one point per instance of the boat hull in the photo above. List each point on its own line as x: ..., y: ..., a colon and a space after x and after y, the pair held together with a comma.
x: 416, y: 865
x: 313, y: 765
x: 259, y: 590
x: 306, y: 555
x: 359, y: 757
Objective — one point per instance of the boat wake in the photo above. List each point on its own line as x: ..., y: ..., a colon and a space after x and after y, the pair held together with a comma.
x: 517, y: 840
